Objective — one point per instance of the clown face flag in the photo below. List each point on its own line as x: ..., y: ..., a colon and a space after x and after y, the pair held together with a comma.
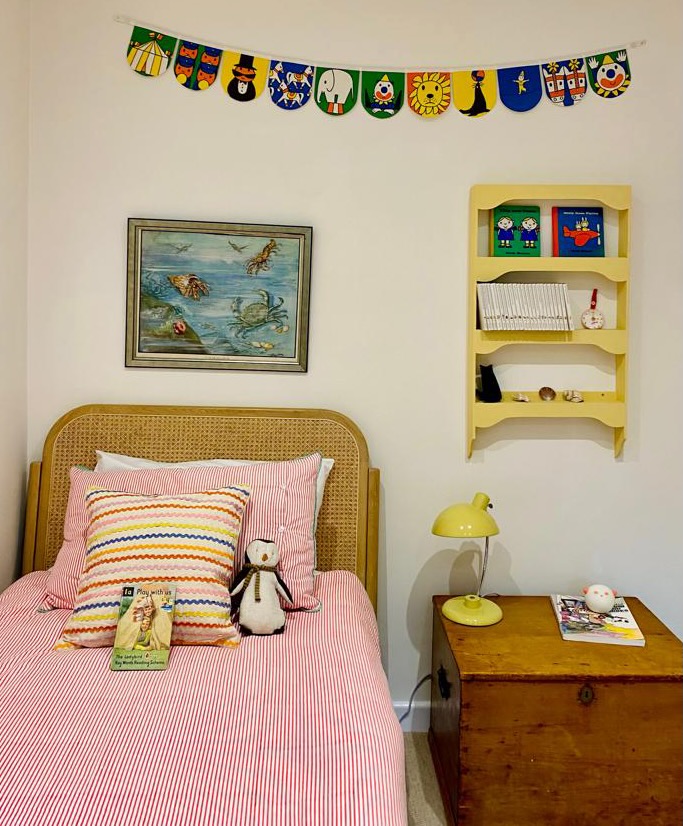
x: 429, y: 93
x: 196, y: 66
x: 290, y: 84
x: 336, y: 90
x: 474, y: 93
x: 609, y: 74
x: 383, y: 93
x: 520, y: 89
x: 150, y: 53
x: 243, y: 76
x: 565, y: 80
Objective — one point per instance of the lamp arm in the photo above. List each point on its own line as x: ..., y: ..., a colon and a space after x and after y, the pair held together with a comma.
x: 483, y: 566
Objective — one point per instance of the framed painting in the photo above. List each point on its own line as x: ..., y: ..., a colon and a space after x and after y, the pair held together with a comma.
x: 217, y: 296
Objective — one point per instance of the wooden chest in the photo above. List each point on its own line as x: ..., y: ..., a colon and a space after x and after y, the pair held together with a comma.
x: 527, y: 727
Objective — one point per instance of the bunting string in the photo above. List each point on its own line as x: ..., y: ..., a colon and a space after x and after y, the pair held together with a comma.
x: 382, y: 91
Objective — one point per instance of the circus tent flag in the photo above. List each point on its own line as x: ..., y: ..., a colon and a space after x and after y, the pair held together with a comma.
x: 336, y: 90
x: 196, y: 66
x: 243, y: 76
x: 290, y: 84
x: 520, y: 88
x: 149, y: 52
x: 429, y: 92
x: 609, y: 74
x: 565, y: 80
x: 382, y: 93
x: 474, y: 92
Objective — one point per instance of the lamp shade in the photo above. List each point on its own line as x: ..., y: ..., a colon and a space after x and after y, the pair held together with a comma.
x: 466, y: 520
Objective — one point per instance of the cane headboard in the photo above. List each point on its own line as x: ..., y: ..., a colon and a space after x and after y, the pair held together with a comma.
x: 348, y: 521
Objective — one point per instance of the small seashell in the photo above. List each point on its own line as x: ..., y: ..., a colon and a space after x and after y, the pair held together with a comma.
x: 520, y: 397
x: 547, y: 394
x: 573, y: 396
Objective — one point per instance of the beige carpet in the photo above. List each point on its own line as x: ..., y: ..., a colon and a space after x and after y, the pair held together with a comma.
x: 424, y: 800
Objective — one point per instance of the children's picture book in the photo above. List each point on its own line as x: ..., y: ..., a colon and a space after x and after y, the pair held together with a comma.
x: 578, y: 623
x: 516, y: 230
x: 578, y: 231
x: 143, y: 632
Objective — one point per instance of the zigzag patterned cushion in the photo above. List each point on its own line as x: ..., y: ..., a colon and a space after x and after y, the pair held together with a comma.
x: 188, y: 539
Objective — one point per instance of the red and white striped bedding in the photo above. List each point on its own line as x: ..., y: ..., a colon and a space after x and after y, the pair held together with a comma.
x: 290, y: 730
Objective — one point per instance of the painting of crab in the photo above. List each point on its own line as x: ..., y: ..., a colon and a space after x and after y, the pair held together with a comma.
x: 252, y: 316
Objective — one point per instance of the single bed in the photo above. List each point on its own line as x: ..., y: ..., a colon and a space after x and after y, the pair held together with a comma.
x: 290, y: 730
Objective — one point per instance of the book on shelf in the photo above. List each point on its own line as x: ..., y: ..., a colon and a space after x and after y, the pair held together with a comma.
x: 521, y: 306
x: 578, y: 623
x: 578, y: 231
x: 145, y: 623
x: 515, y: 231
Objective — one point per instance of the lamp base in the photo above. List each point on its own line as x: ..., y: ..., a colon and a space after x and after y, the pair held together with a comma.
x: 471, y: 610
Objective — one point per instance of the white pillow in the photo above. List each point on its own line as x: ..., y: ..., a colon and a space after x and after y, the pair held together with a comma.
x: 117, y: 461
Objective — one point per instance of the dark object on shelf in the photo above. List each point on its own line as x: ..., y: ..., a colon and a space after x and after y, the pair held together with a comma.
x: 490, y: 389
x: 547, y: 394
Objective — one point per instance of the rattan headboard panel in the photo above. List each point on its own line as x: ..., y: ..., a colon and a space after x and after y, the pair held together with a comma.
x: 184, y: 433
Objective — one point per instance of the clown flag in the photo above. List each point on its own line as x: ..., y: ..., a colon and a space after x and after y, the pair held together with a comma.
x: 290, y: 84
x: 336, y: 90
x: 383, y: 93
x: 520, y: 89
x: 609, y: 74
x: 243, y: 76
x: 196, y: 66
x: 149, y: 53
x: 565, y: 80
x: 474, y: 92
x: 429, y: 93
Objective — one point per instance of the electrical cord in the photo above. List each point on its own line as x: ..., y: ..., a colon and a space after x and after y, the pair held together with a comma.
x: 412, y: 697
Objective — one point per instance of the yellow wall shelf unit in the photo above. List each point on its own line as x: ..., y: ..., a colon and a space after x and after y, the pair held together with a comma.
x: 608, y: 407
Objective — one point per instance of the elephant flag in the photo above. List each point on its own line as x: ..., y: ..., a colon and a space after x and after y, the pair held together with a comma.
x: 196, y: 66
x: 243, y: 76
x: 383, y: 93
x: 520, y: 89
x: 609, y: 74
x: 429, y: 92
x: 565, y: 80
x: 150, y: 53
x: 290, y: 84
x: 474, y: 92
x: 336, y: 90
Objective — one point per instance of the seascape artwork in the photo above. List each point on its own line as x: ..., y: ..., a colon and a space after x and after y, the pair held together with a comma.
x: 218, y: 295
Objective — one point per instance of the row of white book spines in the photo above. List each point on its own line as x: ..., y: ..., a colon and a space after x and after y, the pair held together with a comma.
x: 512, y: 306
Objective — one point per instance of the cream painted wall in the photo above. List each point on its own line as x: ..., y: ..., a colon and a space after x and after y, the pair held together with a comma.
x: 14, y: 16
x: 388, y: 204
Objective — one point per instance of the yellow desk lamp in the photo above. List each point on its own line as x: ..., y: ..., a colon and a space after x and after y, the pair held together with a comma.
x: 465, y: 522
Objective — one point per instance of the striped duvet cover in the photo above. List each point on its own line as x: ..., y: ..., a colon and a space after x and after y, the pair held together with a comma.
x: 290, y: 730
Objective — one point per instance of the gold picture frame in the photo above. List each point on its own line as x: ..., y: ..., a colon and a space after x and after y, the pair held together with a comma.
x: 218, y: 296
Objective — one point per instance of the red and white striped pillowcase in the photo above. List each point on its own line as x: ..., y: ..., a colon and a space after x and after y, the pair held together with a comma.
x: 281, y: 507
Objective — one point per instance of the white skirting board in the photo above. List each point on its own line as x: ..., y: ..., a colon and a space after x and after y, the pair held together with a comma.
x: 418, y: 719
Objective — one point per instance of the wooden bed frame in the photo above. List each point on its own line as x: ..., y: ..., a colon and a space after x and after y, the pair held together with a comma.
x: 348, y: 522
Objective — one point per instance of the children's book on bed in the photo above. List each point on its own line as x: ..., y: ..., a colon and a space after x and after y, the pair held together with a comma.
x: 578, y: 623
x: 143, y: 632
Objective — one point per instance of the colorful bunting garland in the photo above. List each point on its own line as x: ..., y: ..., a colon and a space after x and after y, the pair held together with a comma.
x: 429, y: 92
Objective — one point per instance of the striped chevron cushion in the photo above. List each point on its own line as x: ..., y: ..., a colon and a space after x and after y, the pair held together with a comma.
x: 187, y: 539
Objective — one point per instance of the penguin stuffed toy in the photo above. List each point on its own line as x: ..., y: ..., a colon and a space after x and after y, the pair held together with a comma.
x: 256, y: 589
